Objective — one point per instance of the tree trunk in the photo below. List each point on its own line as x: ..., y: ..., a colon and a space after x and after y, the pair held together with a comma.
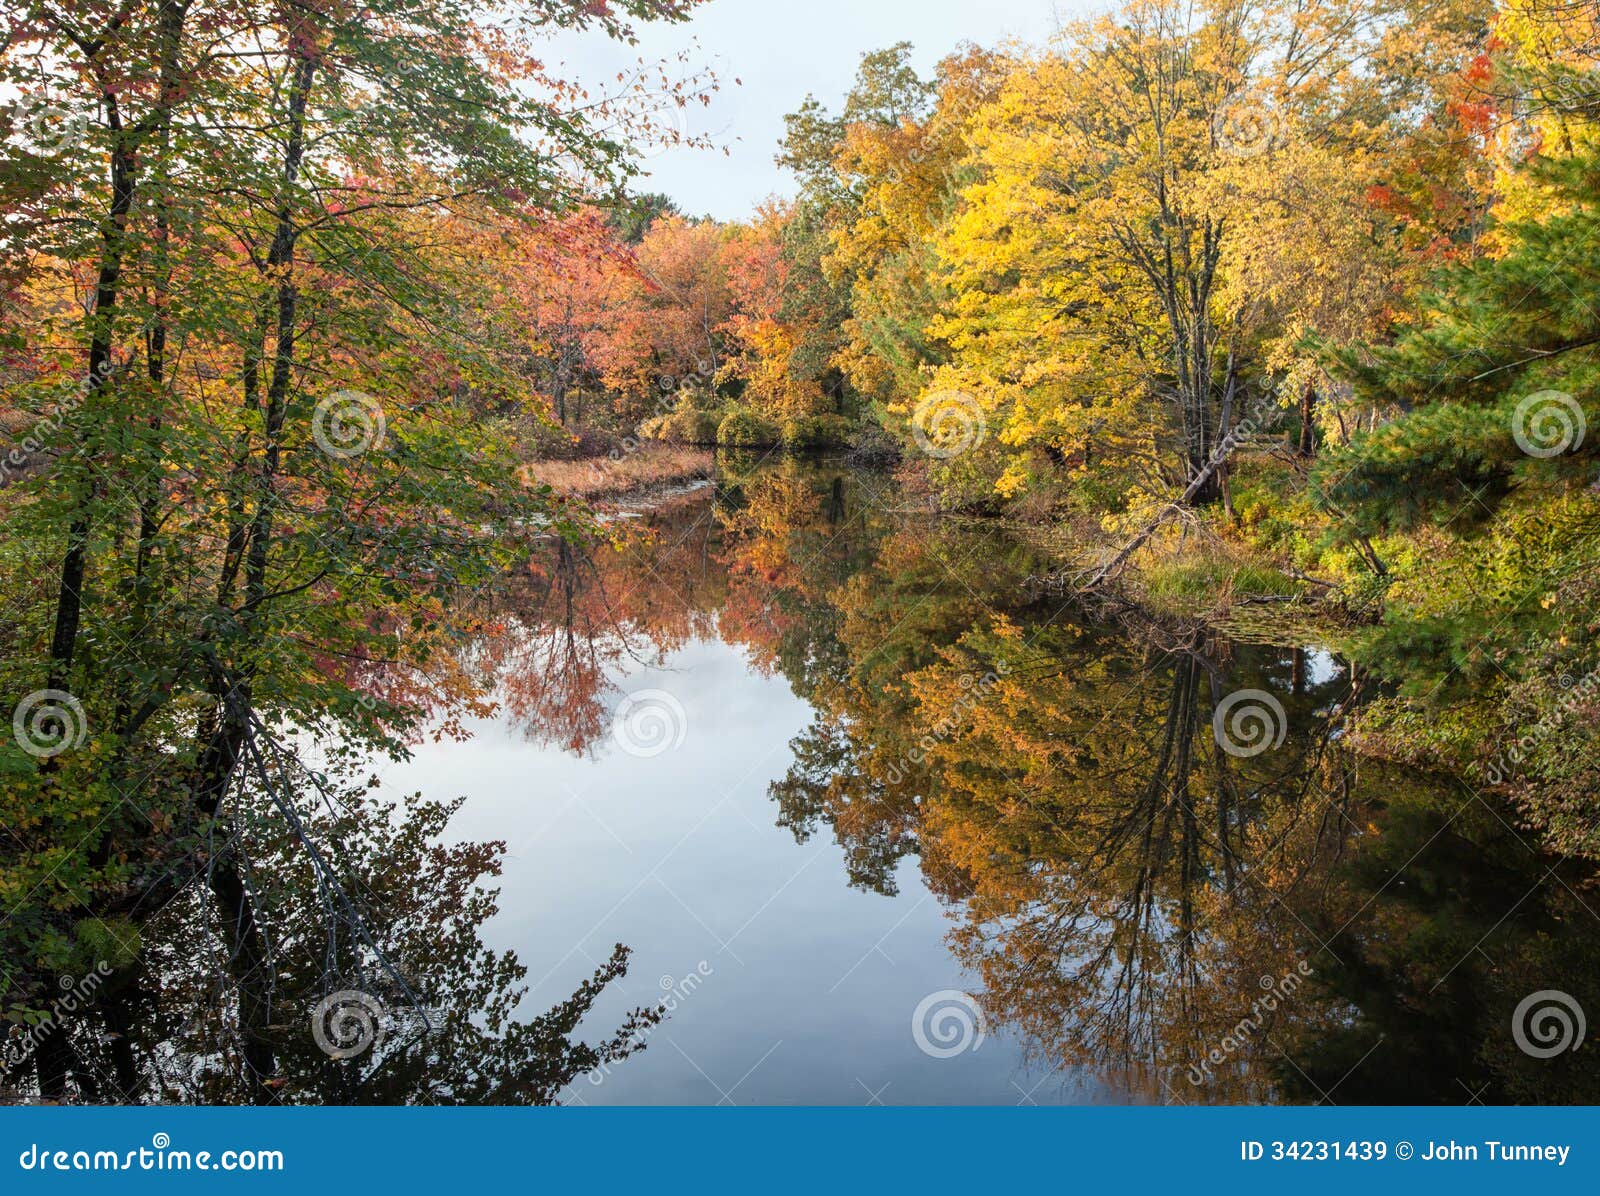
x: 1308, y: 426
x: 113, y: 237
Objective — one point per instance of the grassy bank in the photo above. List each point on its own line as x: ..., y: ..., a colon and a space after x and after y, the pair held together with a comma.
x: 648, y: 466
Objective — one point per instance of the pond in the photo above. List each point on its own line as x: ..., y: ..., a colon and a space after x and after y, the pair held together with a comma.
x: 882, y: 818
x: 885, y: 820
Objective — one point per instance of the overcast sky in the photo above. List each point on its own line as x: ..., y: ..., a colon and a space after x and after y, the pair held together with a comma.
x: 781, y: 51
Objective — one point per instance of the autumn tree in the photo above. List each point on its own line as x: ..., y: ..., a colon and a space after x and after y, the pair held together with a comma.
x: 258, y: 488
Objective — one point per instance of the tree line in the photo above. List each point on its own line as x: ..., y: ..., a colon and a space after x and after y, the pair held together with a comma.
x: 1290, y: 302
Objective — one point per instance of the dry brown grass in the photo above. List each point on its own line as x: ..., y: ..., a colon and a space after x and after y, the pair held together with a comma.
x: 607, y: 477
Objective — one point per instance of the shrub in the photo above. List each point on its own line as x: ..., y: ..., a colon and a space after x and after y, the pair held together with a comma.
x: 541, y: 441
x: 688, y: 425
x: 746, y: 429
x: 816, y: 431
x: 654, y: 428
x: 871, y: 444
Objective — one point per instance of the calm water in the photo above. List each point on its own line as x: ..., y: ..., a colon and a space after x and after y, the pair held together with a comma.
x: 881, y: 818
x: 871, y: 788
x: 801, y: 988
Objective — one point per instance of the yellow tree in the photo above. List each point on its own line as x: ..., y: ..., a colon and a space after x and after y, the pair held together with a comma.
x: 1099, y: 259
x: 901, y: 144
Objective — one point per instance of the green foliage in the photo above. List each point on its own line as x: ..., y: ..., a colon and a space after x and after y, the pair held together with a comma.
x: 1194, y: 582
x: 1487, y: 626
x: 870, y: 441
x: 816, y: 432
x: 746, y: 429
x: 691, y: 425
x: 694, y: 420
x: 1501, y: 374
x: 273, y: 453
x: 633, y: 216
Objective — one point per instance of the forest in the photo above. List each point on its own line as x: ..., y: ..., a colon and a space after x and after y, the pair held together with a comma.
x: 330, y: 330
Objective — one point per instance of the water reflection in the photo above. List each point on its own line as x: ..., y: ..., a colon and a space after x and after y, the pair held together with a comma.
x: 1143, y: 901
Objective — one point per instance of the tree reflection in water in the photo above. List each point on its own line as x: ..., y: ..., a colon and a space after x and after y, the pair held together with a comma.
x: 186, y: 1022
x: 1296, y: 924
x: 1299, y: 924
